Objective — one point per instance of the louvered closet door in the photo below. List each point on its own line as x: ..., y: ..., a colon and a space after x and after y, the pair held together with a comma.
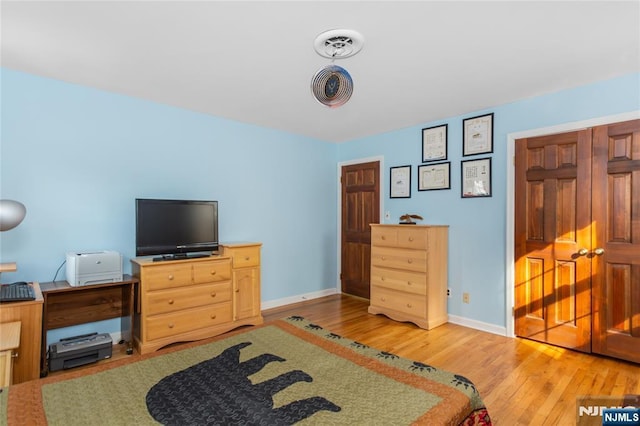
x: 616, y: 237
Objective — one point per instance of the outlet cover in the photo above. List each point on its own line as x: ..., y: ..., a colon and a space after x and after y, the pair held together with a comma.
x: 465, y: 297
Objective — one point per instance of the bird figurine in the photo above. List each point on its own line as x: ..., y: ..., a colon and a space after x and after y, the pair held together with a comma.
x: 407, y: 219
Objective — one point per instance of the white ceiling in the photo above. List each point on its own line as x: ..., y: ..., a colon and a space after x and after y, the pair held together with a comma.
x: 253, y: 62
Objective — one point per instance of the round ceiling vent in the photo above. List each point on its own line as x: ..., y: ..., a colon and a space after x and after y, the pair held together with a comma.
x: 338, y: 44
x: 332, y: 86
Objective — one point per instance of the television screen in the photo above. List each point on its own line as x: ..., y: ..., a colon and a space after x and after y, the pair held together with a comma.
x: 176, y: 227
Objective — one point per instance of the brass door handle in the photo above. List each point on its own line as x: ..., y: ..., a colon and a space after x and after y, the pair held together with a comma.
x: 599, y: 251
x: 583, y: 252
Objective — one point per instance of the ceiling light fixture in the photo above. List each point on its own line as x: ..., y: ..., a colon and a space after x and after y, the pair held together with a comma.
x: 332, y: 85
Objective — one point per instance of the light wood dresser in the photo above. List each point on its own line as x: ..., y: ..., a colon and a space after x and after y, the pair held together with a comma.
x: 26, y: 366
x: 9, y: 345
x: 191, y: 299
x: 409, y: 273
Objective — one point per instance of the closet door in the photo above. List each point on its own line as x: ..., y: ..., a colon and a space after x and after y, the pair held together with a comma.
x: 553, y: 239
x: 616, y: 240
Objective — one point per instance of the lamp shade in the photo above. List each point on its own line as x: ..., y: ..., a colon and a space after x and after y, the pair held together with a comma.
x: 11, y: 214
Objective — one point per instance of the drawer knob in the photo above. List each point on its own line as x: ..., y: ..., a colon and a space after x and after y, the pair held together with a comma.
x: 410, y: 238
x: 213, y: 316
x: 383, y: 258
x: 382, y: 278
x: 247, y: 258
x: 213, y: 294
x: 213, y: 272
x: 171, y: 325
x: 14, y: 355
x: 171, y: 301
x: 170, y: 277
x: 410, y: 260
x: 408, y: 305
x: 383, y: 299
x: 408, y: 282
x: 237, y: 290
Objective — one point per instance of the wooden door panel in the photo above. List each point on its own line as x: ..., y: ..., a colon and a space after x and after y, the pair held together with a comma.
x: 360, y: 207
x: 552, y: 221
x: 616, y: 231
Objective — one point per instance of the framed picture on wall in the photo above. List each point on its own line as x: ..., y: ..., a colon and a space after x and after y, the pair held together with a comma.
x: 477, y: 135
x: 476, y: 178
x: 434, y: 176
x: 434, y: 143
x: 400, y: 182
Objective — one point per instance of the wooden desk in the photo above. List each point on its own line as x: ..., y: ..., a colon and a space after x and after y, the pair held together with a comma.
x: 65, y: 306
x: 9, y: 345
x: 27, y: 364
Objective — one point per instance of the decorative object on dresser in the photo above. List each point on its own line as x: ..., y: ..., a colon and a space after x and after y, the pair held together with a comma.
x: 407, y: 219
x: 409, y: 273
x: 191, y: 299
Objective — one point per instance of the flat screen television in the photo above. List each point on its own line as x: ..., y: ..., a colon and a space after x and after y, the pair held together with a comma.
x: 176, y: 228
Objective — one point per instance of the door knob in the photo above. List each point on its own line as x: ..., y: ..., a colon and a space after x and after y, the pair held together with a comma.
x: 583, y: 252
x: 599, y: 251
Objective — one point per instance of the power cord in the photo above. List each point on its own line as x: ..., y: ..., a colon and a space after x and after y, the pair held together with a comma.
x: 60, y: 267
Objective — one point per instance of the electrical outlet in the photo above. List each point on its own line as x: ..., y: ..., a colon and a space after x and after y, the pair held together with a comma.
x: 465, y: 297
x: 448, y: 292
x: 387, y: 215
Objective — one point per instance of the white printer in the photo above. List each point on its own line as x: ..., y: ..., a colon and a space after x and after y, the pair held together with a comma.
x: 94, y: 268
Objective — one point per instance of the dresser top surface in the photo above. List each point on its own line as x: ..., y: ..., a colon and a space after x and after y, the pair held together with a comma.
x: 407, y: 226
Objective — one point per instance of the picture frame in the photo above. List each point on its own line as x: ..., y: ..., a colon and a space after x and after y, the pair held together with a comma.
x: 477, y: 135
x: 400, y: 182
x: 435, y: 143
x: 434, y: 176
x: 476, y: 178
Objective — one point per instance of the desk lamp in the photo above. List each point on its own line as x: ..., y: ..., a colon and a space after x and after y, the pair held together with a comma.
x: 11, y: 214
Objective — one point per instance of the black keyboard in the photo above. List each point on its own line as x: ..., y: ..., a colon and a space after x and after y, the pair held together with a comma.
x: 16, y: 292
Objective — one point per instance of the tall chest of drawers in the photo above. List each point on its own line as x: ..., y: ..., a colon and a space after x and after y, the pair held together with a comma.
x: 409, y: 273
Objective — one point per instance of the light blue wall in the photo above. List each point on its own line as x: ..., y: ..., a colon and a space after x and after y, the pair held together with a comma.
x: 78, y: 157
x: 477, y: 226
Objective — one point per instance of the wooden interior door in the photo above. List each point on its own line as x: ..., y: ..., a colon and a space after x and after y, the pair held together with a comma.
x: 577, y: 236
x: 616, y: 237
x: 360, y: 207
x: 552, y: 239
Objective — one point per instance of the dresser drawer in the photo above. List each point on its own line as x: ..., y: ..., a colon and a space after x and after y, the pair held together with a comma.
x: 411, y: 260
x: 211, y: 271
x: 413, y: 238
x: 169, y: 276
x: 410, y: 282
x: 172, y: 324
x: 244, y: 257
x: 384, y: 236
x: 399, y: 301
x: 171, y: 300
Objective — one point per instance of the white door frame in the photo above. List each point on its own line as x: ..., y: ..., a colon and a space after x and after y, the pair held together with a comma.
x: 339, y: 215
x: 510, y: 164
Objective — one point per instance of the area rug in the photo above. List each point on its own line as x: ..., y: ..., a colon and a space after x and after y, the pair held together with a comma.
x: 289, y: 371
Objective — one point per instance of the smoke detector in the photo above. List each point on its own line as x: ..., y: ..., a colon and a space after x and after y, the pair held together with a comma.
x: 338, y: 44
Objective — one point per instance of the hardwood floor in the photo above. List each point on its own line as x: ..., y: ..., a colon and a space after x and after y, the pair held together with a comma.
x: 522, y: 382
